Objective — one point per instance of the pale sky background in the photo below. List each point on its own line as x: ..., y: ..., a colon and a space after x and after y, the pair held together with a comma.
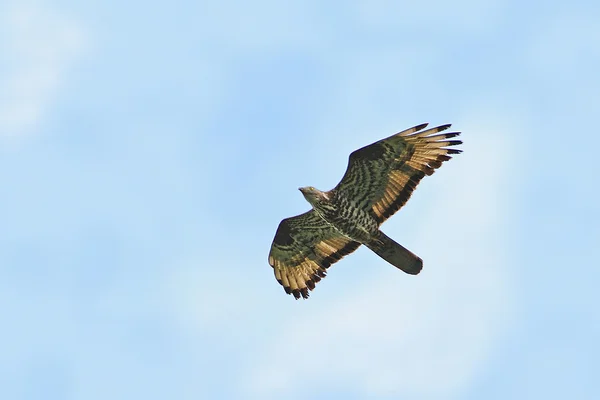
x: 148, y: 151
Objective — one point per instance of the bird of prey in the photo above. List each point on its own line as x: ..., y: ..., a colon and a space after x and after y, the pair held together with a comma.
x: 379, y: 179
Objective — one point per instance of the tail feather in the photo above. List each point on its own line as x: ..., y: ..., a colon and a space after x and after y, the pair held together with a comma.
x: 395, y: 254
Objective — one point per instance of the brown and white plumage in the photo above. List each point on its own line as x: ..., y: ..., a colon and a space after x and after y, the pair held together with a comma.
x: 379, y: 180
x: 303, y: 248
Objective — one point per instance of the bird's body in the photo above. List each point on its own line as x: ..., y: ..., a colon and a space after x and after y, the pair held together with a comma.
x: 378, y: 181
x: 343, y: 214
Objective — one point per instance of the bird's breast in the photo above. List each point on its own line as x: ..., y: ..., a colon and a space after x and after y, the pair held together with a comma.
x: 351, y: 220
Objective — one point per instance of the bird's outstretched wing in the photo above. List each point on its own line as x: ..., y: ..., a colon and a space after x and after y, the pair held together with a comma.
x: 303, y: 248
x: 381, y: 177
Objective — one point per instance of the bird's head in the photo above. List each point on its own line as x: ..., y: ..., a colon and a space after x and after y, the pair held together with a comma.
x: 313, y: 195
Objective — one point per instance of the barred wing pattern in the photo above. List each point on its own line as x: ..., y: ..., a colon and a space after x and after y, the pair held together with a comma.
x: 303, y: 248
x: 382, y: 176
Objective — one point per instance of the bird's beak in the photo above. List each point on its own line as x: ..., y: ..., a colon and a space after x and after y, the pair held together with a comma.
x: 301, y: 189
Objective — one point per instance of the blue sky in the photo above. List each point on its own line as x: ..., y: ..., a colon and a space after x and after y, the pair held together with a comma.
x: 148, y: 151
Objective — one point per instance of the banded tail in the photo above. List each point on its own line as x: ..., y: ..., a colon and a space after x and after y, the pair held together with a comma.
x: 395, y: 254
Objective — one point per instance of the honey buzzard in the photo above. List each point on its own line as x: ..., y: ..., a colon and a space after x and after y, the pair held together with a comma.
x: 380, y: 178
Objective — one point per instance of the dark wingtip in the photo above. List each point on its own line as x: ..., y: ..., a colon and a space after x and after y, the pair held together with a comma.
x: 451, y: 134
x: 297, y: 293
x: 421, y: 126
x: 443, y: 127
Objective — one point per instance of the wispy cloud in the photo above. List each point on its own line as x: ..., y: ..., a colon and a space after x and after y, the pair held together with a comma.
x: 40, y: 46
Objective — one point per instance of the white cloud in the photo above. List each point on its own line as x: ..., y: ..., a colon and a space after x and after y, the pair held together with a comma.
x: 40, y: 46
x: 427, y: 336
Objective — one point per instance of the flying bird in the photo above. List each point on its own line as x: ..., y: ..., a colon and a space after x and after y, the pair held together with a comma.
x: 378, y: 181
